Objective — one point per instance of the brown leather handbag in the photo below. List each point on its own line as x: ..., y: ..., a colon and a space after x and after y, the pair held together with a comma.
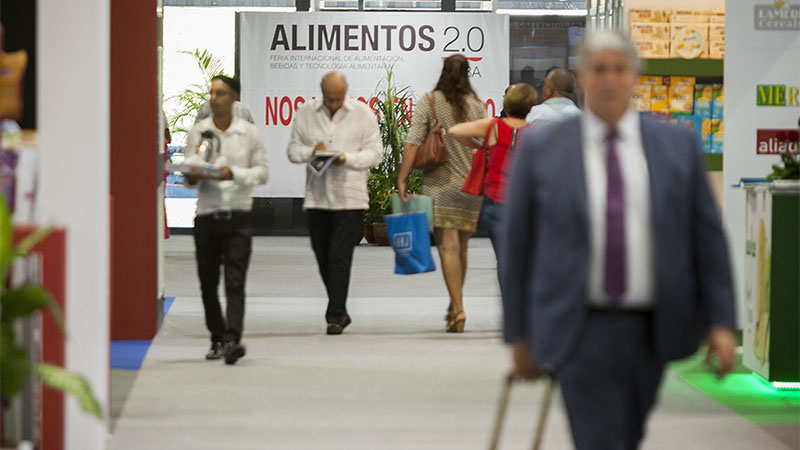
x: 432, y: 153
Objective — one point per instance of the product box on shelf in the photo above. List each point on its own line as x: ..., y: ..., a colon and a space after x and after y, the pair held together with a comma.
x: 718, y: 108
x: 717, y: 135
x: 653, y: 80
x: 681, y: 98
x: 716, y: 50
x: 716, y: 32
x: 642, y: 97
x: 650, y: 14
x: 659, y: 100
x: 688, y: 18
x: 703, y: 108
x: 689, y: 40
x: 692, y: 12
x: 718, y: 102
x: 717, y: 19
x: 649, y: 31
x: 703, y: 98
x: 653, y: 49
x: 706, y: 135
x: 704, y: 91
x: 673, y: 80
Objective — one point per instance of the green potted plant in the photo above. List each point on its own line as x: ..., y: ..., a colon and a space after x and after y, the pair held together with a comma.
x: 18, y: 303
x: 196, y: 94
x: 392, y: 107
x: 790, y: 169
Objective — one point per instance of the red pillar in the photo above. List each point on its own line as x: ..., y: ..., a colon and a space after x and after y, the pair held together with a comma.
x: 133, y: 170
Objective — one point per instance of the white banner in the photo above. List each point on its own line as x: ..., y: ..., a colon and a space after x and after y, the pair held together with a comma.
x: 284, y: 56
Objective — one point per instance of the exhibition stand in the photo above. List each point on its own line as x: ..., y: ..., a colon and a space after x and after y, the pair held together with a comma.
x: 771, y: 332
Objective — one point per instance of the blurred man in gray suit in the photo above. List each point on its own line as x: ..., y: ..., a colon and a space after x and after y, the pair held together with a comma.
x: 614, y: 260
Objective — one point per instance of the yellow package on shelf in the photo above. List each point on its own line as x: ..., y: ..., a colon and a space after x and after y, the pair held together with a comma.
x: 650, y: 14
x: 681, y: 98
x: 689, y: 40
x: 654, y: 80
x: 644, y: 32
x: 642, y: 97
x: 674, y: 80
x: 659, y: 99
x: 653, y: 49
x: 717, y: 19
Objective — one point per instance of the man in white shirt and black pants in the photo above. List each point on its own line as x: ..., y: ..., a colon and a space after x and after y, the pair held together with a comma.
x: 223, y: 225
x: 336, y: 200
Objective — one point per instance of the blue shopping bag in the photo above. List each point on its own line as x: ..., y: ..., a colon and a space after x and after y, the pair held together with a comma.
x: 408, y: 234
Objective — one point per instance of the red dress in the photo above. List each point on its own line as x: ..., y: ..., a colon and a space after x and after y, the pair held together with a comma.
x: 500, y: 154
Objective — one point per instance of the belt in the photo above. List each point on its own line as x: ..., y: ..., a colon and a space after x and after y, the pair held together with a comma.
x: 222, y: 215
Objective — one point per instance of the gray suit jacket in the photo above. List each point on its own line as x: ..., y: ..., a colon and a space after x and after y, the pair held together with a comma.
x: 544, y: 251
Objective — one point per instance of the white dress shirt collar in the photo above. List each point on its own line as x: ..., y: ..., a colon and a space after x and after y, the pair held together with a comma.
x: 347, y: 106
x: 628, y: 127
x: 237, y: 125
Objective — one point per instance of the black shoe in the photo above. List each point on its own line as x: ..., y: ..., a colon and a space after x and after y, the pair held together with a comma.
x: 233, y: 351
x: 338, y: 327
x: 216, y: 351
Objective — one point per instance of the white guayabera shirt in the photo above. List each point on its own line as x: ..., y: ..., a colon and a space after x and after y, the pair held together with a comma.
x: 240, y: 148
x: 353, y: 130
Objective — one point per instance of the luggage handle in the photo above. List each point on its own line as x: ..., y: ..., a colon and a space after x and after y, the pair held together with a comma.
x: 508, y: 381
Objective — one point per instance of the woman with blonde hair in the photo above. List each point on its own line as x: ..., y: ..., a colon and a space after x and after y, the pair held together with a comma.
x: 455, y: 214
x: 501, y: 144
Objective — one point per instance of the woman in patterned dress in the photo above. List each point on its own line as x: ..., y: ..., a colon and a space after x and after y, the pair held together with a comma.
x: 455, y: 214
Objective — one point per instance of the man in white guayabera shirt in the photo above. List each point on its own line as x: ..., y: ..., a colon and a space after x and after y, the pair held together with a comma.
x: 335, y: 200
x: 223, y: 225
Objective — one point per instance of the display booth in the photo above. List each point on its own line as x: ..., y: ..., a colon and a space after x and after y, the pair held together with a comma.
x: 770, y: 331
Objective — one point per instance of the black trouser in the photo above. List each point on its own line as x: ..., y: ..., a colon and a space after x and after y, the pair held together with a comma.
x: 223, y: 238
x: 334, y: 235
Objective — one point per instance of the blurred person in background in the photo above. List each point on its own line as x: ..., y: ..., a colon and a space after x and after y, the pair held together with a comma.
x: 223, y: 225
x: 239, y: 109
x: 503, y: 111
x: 558, y: 99
x: 502, y: 144
x: 455, y: 214
x: 614, y: 259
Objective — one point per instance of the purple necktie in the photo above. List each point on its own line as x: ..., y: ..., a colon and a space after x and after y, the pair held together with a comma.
x: 615, y: 225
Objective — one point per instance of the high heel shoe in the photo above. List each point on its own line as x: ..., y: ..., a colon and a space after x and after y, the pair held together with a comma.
x: 456, y: 322
x: 449, y: 315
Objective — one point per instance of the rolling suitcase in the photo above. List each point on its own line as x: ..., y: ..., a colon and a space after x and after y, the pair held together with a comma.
x: 503, y: 405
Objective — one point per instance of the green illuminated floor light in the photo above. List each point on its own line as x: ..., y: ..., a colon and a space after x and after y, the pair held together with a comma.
x: 744, y: 391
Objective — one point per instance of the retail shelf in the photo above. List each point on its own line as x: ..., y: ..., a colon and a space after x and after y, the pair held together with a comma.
x: 684, y: 67
x: 713, y: 161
